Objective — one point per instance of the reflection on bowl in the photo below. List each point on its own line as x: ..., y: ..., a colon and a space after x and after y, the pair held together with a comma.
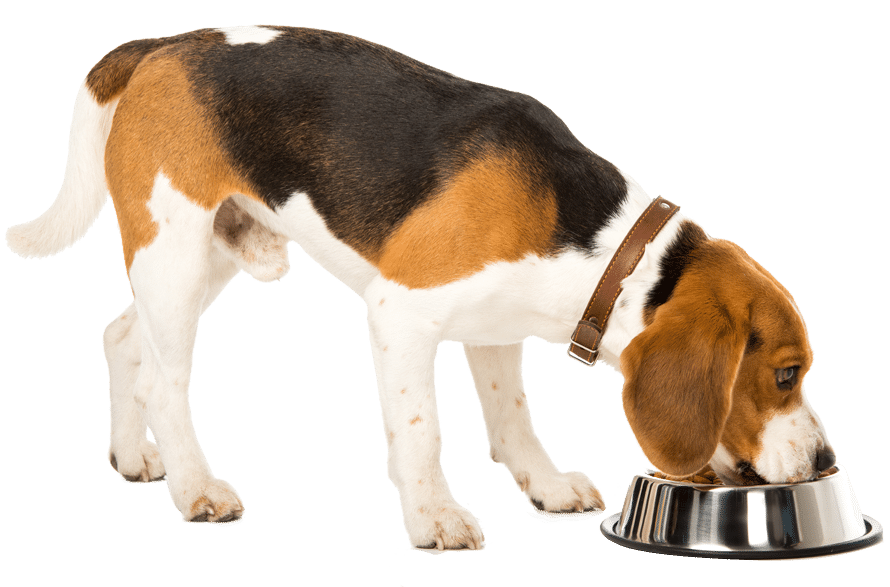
x: 757, y: 521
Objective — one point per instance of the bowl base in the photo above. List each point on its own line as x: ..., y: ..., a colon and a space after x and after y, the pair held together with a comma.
x: 873, y: 534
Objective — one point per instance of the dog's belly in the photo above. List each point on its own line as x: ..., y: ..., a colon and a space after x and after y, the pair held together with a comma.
x: 504, y: 303
x: 298, y: 221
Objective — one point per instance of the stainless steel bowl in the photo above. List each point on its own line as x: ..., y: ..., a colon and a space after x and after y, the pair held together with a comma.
x: 757, y: 521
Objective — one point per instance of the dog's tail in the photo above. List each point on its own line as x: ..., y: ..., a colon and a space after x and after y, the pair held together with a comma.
x: 84, y: 189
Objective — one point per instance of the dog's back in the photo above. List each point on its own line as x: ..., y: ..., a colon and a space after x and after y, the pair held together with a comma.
x: 383, y: 146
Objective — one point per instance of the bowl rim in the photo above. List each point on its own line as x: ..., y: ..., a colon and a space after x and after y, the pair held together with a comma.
x: 648, y: 475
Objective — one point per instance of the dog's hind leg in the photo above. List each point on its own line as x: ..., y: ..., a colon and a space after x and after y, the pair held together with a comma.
x: 174, y: 278
x: 131, y: 453
x: 497, y: 374
x: 403, y: 357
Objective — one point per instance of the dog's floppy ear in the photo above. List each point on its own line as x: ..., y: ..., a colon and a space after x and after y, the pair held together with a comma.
x: 679, y: 374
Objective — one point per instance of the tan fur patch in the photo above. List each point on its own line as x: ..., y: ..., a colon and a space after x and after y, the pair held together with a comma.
x: 160, y: 127
x: 489, y: 212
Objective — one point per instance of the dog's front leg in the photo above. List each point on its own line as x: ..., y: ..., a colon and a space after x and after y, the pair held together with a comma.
x: 497, y: 374
x: 404, y: 352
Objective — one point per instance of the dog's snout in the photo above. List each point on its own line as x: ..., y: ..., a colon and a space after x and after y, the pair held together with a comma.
x: 825, y: 459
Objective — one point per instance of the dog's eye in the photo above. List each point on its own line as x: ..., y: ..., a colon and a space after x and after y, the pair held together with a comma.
x: 787, y: 378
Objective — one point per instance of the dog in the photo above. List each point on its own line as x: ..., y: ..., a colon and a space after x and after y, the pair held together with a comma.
x: 457, y: 211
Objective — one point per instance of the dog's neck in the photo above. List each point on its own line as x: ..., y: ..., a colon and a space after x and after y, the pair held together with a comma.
x: 654, y: 278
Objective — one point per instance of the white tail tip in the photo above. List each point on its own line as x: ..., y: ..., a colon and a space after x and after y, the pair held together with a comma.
x: 83, y: 190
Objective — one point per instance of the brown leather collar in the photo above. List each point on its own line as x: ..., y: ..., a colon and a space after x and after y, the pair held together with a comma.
x: 589, y: 333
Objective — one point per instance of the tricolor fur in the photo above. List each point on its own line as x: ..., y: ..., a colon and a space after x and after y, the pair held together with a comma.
x: 457, y: 211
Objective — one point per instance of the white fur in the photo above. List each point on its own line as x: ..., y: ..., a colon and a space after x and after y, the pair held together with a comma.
x: 788, y: 444
x: 131, y: 453
x: 241, y: 35
x: 83, y: 190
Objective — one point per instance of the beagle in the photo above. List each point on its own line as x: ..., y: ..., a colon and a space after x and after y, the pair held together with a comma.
x: 457, y: 211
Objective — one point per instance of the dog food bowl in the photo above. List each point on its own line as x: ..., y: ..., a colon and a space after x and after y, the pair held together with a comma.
x: 749, y: 522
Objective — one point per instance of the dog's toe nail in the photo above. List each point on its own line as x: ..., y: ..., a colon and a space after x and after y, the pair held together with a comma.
x: 227, y: 518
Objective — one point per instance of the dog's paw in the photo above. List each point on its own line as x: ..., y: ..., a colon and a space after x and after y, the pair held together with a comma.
x: 211, y: 501
x: 562, y: 493
x: 444, y: 526
x: 142, y: 464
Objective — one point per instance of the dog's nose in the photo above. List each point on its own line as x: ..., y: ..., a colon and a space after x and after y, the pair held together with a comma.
x: 825, y: 459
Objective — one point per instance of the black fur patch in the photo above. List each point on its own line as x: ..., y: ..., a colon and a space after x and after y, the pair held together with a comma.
x: 675, y: 260
x: 370, y: 134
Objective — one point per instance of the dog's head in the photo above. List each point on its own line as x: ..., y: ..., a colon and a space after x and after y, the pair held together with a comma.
x: 717, y: 376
